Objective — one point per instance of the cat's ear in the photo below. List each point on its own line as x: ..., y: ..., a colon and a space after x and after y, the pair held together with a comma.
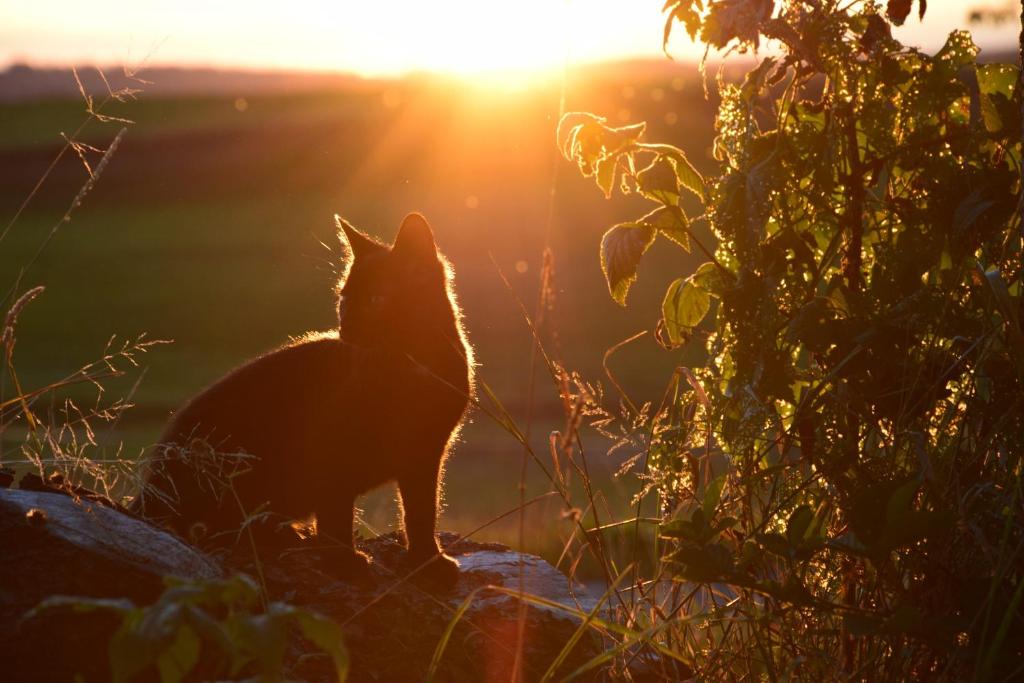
x: 415, y: 238
x: 360, y: 243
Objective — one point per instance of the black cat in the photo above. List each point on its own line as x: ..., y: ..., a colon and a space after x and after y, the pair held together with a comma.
x: 335, y: 414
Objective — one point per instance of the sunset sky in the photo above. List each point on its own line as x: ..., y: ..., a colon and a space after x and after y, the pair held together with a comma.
x: 373, y: 37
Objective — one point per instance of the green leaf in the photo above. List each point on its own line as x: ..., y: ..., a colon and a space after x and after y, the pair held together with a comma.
x: 798, y: 523
x: 130, y: 653
x: 997, y: 84
x: 684, y: 306
x: 997, y: 79
x: 713, y: 494
x: 211, y: 630
x: 678, y: 528
x: 81, y: 605
x: 177, y: 660
x: 686, y: 173
x: 262, y: 636
x: 712, y: 279
x: 658, y: 182
x: 671, y: 222
x: 958, y: 52
x: 327, y: 635
x: 621, y: 249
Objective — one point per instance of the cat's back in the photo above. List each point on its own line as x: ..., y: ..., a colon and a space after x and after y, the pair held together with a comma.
x: 266, y: 393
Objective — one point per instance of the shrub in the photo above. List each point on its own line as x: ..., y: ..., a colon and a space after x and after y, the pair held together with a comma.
x: 840, y: 481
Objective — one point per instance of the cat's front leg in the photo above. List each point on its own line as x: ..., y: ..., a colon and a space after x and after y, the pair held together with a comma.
x: 335, y: 526
x: 418, y: 488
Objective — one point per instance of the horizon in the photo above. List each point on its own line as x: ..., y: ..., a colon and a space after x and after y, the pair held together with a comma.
x: 464, y: 39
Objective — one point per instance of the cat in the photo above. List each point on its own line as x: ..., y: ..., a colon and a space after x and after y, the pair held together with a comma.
x: 333, y: 415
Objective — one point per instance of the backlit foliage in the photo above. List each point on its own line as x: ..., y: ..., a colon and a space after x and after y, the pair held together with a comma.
x: 843, y: 473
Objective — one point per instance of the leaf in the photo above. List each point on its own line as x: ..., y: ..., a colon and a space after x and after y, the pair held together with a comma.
x: 798, y: 523
x: 569, y: 127
x: 595, y: 146
x: 686, y: 173
x: 658, y: 182
x: 211, y: 630
x: 161, y: 621
x: 671, y: 222
x: 684, y: 306
x: 667, y: 31
x: 897, y: 11
x: 735, y: 19
x: 775, y: 543
x: 81, y: 605
x: 678, y: 528
x: 606, y: 172
x: 240, y: 590
x: 996, y: 83
x: 704, y: 564
x: 621, y: 249
x: 177, y: 660
x: 327, y: 635
x: 130, y: 653
x: 957, y: 53
x: 753, y: 82
x: 262, y: 636
x: 685, y: 11
x: 997, y: 79
x: 877, y: 32
x: 713, y: 494
x: 712, y: 279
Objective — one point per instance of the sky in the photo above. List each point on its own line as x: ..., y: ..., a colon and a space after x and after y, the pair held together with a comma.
x: 376, y: 37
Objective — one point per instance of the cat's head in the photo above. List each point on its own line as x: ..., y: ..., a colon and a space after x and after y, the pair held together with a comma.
x: 393, y: 296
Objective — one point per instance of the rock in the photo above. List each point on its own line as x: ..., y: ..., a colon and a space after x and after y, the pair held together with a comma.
x: 393, y: 614
x: 53, y: 544
x: 538, y: 579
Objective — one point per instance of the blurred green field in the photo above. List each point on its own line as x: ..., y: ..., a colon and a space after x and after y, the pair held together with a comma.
x: 208, y: 228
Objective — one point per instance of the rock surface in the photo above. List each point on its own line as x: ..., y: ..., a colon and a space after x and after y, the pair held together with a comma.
x: 392, y: 623
x: 53, y: 544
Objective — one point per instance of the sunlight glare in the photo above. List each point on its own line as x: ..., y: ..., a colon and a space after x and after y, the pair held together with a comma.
x: 488, y: 41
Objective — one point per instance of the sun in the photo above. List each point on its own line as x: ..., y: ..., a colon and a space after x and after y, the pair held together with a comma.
x: 484, y: 40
